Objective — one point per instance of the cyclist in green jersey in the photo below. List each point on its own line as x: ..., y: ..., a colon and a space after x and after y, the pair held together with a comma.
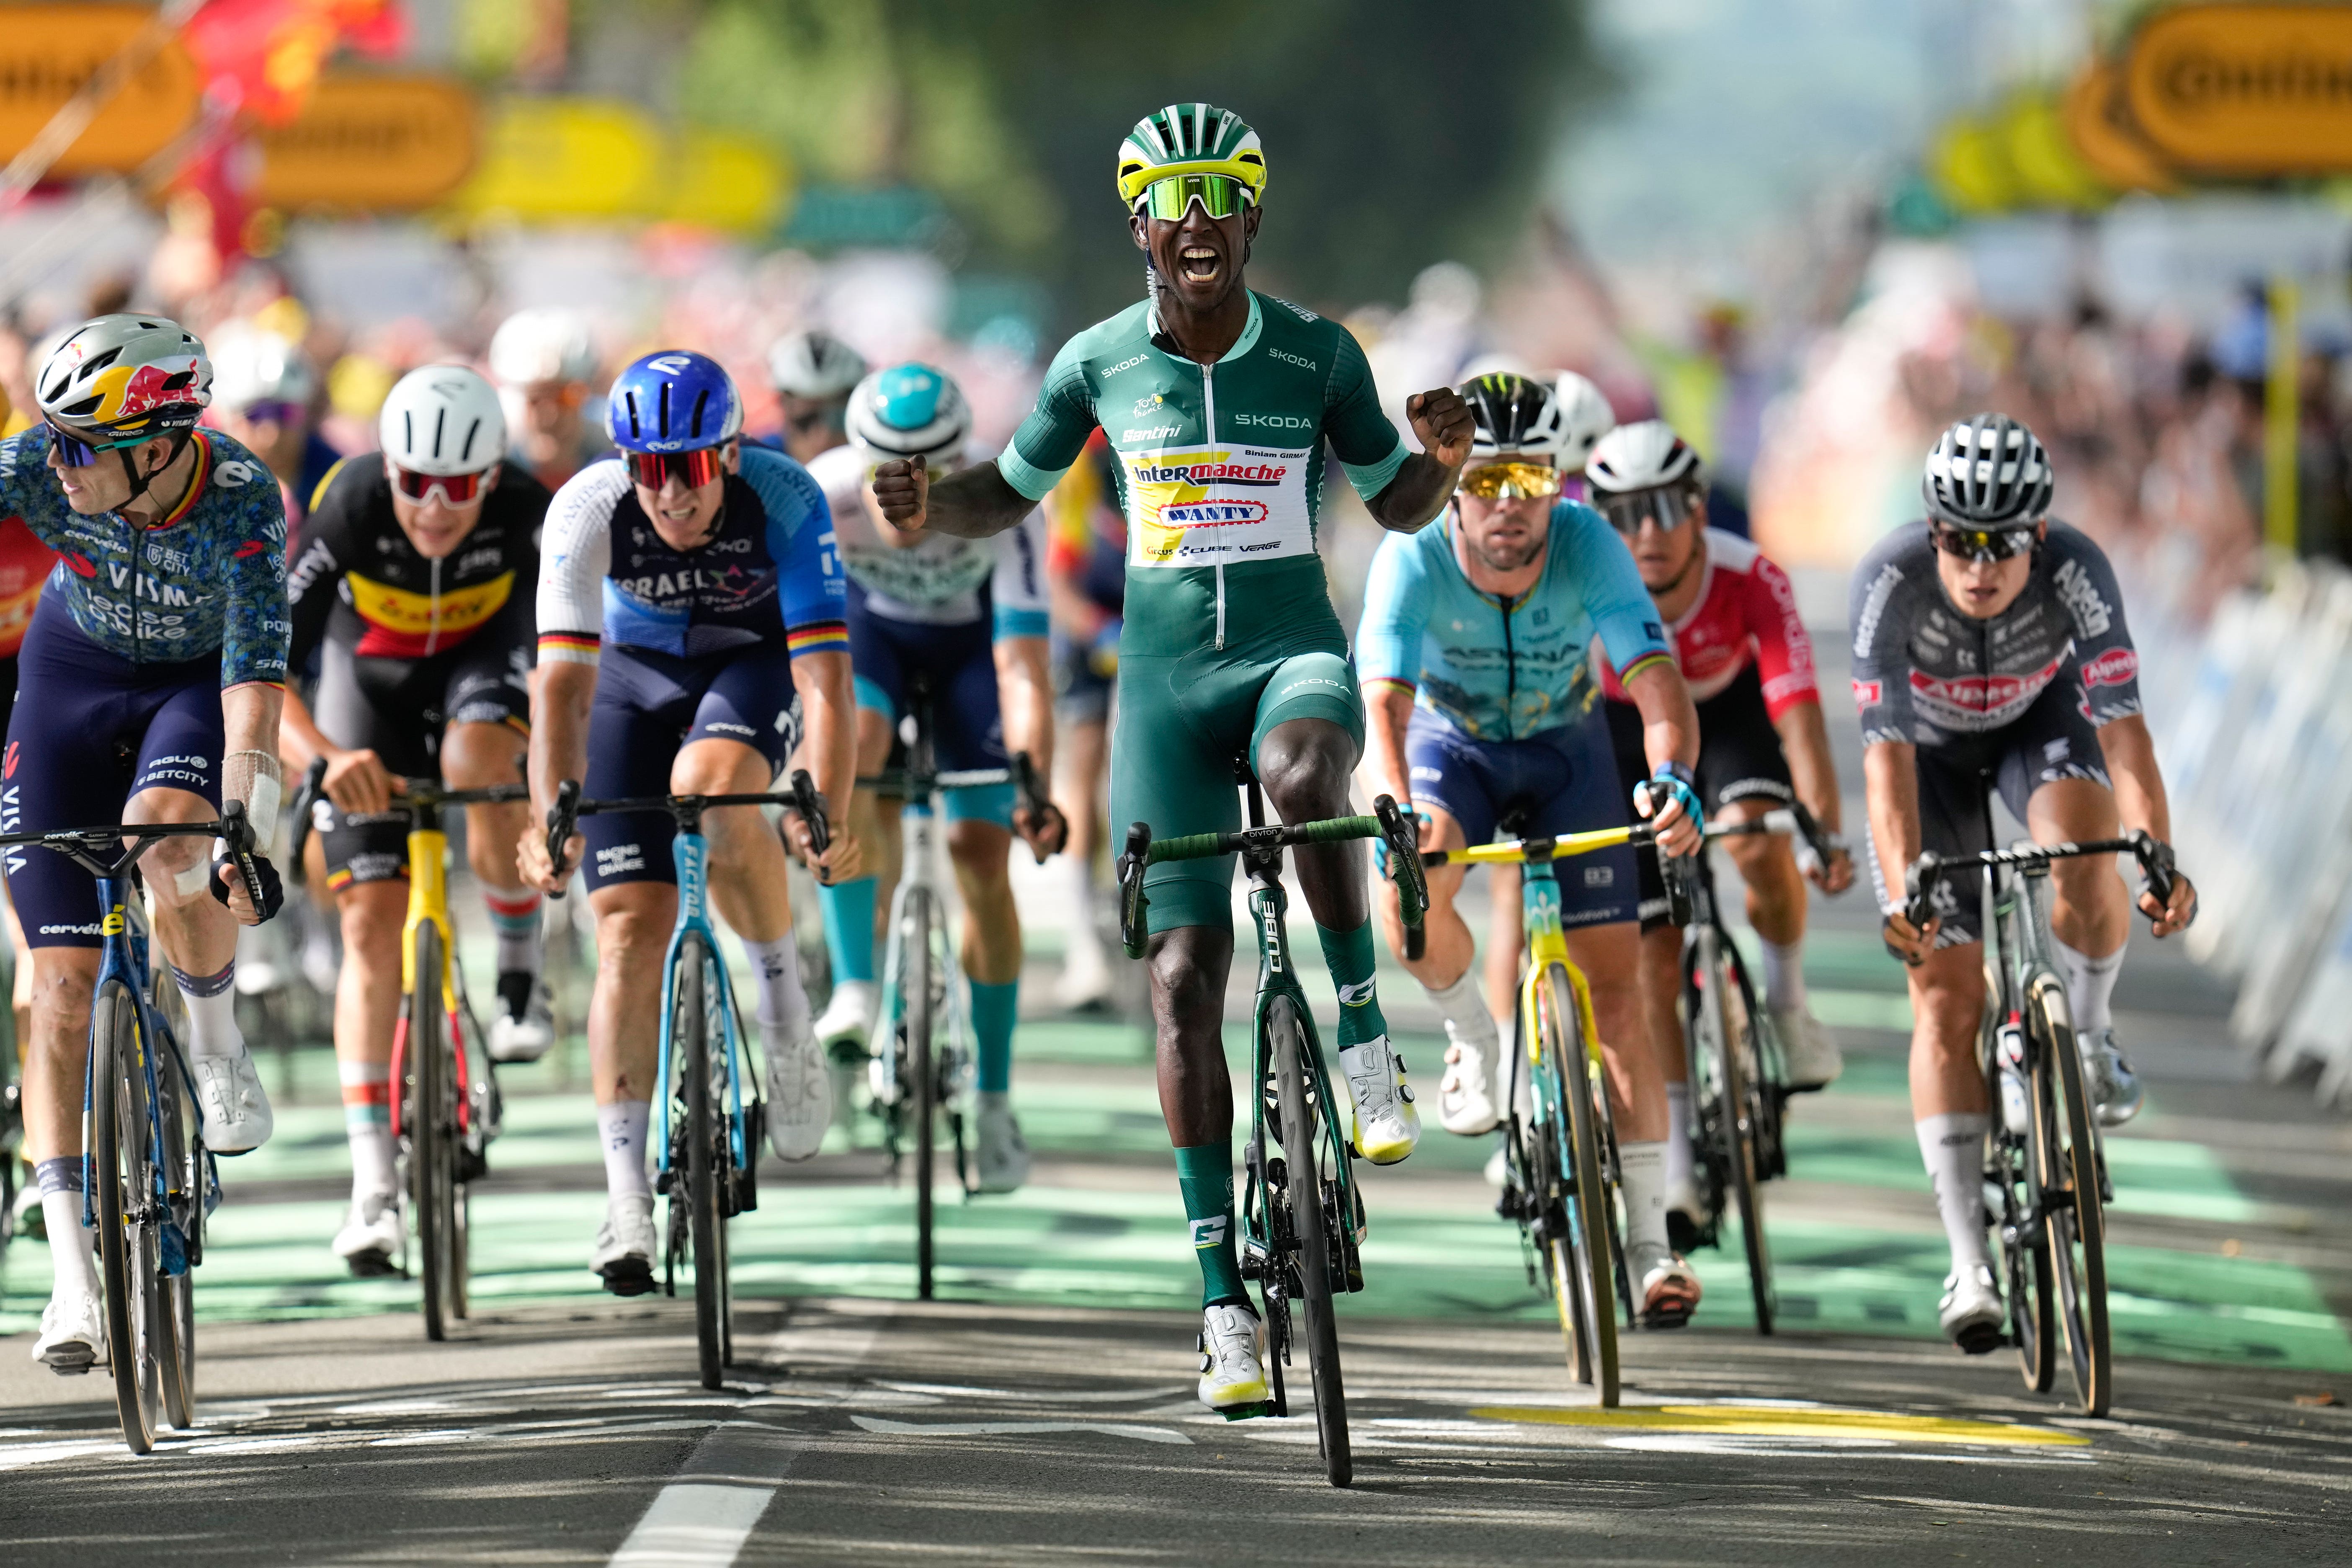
x: 1218, y: 403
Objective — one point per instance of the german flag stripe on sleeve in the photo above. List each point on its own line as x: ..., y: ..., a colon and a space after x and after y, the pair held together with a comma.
x: 568, y: 648
x: 817, y: 636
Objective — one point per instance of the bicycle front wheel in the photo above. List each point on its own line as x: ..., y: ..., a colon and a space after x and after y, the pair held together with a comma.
x: 1584, y: 1255
x: 432, y: 1128
x: 2066, y: 1154
x: 183, y: 1206
x: 1302, y: 1148
x: 915, y: 982
x: 1742, y: 1121
x: 123, y: 1164
x: 705, y: 1224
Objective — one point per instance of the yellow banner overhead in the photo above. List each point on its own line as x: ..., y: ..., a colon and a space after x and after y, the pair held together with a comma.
x: 2105, y: 137
x: 2246, y: 89
x: 48, y: 52
x: 2049, y: 172
x: 1968, y: 162
x: 370, y: 144
x: 550, y: 158
x: 728, y: 183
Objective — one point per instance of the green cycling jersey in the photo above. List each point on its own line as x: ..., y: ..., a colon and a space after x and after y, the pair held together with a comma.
x: 1220, y: 467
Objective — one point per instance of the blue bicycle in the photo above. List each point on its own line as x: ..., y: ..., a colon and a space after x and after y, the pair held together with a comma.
x: 148, y: 1181
x: 708, y: 1142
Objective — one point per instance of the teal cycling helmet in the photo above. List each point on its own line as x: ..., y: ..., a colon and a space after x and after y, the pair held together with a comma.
x: 909, y: 410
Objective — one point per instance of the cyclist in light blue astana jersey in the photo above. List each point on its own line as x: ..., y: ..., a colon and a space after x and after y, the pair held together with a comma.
x: 968, y: 615
x: 1218, y: 404
x: 1475, y: 652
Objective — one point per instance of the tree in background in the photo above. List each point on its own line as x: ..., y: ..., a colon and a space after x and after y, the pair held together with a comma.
x: 1396, y: 136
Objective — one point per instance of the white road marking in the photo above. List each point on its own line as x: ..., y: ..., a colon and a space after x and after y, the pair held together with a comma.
x: 875, y: 1423
x: 694, y: 1524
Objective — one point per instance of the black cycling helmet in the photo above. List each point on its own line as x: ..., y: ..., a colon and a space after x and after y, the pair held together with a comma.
x: 1988, y: 472
x: 1512, y: 414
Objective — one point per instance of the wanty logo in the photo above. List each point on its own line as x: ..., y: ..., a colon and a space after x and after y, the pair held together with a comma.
x: 1212, y: 513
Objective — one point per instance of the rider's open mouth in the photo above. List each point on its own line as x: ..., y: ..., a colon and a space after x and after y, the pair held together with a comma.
x: 1200, y: 262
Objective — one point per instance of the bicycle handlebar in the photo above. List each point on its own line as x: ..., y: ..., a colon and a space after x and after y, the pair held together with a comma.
x: 82, y: 845
x: 563, y: 816
x: 1388, y: 823
x: 2155, y: 857
x: 1019, y: 771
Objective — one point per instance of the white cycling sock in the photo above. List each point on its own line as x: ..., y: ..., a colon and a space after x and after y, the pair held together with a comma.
x: 367, y: 1125
x: 1642, y: 1176
x: 1463, y: 1006
x: 1784, y: 975
x: 71, y: 1265
x: 2090, y: 985
x: 621, y: 1127
x: 1679, y: 1168
x: 1952, y: 1148
x: 783, y: 1006
x: 1078, y: 900
x: 212, y: 1011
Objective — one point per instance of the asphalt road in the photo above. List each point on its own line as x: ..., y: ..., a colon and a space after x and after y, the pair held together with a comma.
x: 1043, y: 1408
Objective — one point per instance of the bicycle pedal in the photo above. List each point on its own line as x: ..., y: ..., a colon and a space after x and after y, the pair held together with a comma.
x: 1236, y: 1412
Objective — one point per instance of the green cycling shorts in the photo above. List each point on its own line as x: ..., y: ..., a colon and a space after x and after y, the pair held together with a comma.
x: 1182, y: 723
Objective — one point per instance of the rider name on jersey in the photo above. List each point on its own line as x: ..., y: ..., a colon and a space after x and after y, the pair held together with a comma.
x: 1206, y: 506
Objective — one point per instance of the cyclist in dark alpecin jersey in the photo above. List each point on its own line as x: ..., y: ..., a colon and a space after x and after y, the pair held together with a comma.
x: 1989, y: 650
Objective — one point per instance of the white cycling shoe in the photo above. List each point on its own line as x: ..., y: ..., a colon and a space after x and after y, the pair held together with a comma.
x: 73, y: 1334
x: 624, y: 1258
x: 1003, y: 1154
x: 524, y: 1034
x: 1970, y: 1311
x: 799, y: 1095
x: 848, y: 1018
x: 1232, y: 1360
x: 1807, y: 1046
x: 235, y: 1112
x: 1469, y: 1097
x: 1388, y: 1125
x: 372, y: 1237
x: 1669, y: 1289
x: 2113, y: 1088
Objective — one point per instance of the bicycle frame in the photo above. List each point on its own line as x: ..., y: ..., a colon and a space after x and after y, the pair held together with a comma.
x: 691, y: 854
x: 428, y: 904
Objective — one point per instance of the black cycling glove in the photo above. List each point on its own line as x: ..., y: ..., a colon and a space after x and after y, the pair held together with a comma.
x: 273, y: 891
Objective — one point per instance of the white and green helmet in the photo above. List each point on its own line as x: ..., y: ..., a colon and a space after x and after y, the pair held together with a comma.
x: 1190, y: 139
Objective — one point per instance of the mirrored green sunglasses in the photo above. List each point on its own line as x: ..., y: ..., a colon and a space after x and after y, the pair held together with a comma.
x: 1219, y: 195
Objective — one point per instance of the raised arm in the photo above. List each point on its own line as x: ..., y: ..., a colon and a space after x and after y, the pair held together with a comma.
x: 1423, y: 486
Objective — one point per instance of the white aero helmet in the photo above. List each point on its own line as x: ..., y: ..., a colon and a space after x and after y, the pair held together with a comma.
x: 1643, y: 456
x: 814, y: 364
x: 541, y: 345
x: 1585, y: 418
x: 443, y: 419
x: 123, y: 376
x: 252, y: 365
x: 909, y: 411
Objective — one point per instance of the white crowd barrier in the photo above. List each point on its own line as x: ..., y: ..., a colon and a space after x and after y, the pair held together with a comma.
x: 2252, y: 717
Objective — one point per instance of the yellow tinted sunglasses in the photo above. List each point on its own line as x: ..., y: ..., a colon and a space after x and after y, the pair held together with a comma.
x: 1512, y: 481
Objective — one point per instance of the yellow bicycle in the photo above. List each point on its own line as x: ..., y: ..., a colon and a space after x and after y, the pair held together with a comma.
x: 1562, y: 1143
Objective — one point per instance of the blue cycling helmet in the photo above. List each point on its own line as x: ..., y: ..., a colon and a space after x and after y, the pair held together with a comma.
x: 673, y: 402
x: 909, y: 411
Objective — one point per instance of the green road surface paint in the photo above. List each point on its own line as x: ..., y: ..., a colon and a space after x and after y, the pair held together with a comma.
x: 1779, y: 1421
x: 1434, y: 1251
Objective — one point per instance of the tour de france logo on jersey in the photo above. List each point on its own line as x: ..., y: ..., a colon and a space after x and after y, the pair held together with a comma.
x: 1209, y: 505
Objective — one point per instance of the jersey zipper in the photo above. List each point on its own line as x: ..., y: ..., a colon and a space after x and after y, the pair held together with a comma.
x: 1209, y: 437
x: 1510, y: 673
x: 433, y: 607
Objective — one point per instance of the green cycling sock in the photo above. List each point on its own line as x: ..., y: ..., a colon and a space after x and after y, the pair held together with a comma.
x: 1349, y: 955
x: 1204, y: 1173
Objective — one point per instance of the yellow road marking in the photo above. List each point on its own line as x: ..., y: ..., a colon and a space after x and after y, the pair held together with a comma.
x: 1750, y: 1421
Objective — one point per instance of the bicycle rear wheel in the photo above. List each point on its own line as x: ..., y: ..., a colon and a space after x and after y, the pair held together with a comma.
x: 432, y: 1128
x: 915, y: 979
x: 1583, y: 1258
x: 2067, y: 1161
x: 1303, y: 1148
x: 1743, y: 1119
x: 705, y: 1162
x: 121, y: 1127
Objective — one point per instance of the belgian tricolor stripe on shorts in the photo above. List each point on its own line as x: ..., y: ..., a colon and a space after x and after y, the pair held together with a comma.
x: 817, y: 636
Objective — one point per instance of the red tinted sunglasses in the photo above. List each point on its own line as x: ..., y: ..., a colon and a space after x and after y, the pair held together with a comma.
x: 456, y: 489
x: 694, y: 469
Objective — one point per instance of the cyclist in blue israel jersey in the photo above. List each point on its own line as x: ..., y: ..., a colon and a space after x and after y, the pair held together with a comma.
x: 151, y: 680
x: 968, y: 615
x: 1480, y: 694
x: 690, y: 619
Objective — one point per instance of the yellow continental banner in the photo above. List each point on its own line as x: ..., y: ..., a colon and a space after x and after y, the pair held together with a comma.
x: 48, y: 52
x: 370, y: 144
x: 2246, y: 89
x: 728, y: 182
x: 558, y: 158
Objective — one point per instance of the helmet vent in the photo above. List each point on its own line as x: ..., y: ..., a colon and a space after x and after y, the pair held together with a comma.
x: 701, y: 399
x: 102, y: 361
x: 665, y: 408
